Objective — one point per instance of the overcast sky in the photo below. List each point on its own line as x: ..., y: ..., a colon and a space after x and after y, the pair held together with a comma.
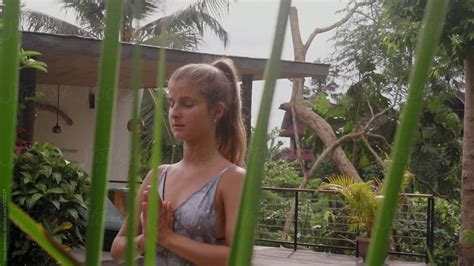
x: 251, y: 25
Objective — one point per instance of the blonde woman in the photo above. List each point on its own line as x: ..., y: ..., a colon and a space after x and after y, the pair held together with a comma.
x: 200, y: 194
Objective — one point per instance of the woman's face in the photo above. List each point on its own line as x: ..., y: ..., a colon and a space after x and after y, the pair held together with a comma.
x: 189, y: 114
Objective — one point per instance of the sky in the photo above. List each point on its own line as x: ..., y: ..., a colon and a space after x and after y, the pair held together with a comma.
x: 251, y: 25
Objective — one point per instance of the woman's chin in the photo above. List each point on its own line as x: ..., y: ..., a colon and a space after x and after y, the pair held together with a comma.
x: 179, y: 136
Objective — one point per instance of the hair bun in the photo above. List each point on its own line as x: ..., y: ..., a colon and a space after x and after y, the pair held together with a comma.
x: 227, y: 66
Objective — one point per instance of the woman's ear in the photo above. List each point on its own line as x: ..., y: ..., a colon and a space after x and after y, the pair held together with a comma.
x: 218, y: 111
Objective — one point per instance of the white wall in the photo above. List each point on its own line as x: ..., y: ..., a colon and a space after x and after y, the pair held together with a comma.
x: 77, y: 141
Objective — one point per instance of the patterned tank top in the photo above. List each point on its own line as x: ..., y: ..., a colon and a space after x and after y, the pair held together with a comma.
x: 194, y: 218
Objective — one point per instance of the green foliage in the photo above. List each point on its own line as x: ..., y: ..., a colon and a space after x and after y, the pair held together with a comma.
x: 446, y: 231
x: 321, y: 103
x: 171, y: 150
x: 52, y: 190
x: 427, y: 40
x: 373, y: 170
x: 469, y: 236
x: 436, y: 155
x: 26, y: 61
x: 457, y: 38
x: 284, y: 174
x: 362, y: 199
x: 280, y: 173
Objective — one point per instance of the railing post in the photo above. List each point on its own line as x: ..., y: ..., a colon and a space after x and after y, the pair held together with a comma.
x: 429, y: 227
x: 295, y: 235
x: 431, y: 244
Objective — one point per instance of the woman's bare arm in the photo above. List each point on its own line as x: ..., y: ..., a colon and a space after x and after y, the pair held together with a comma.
x: 120, y: 242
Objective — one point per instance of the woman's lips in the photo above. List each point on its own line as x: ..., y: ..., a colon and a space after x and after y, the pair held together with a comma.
x: 177, y: 126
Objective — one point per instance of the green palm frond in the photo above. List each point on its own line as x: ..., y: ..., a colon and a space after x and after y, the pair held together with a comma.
x: 362, y: 199
x: 147, y: 8
x: 90, y: 14
x: 342, y: 180
x: 171, y: 149
x: 193, y: 21
x: 214, y: 8
x: 40, y: 22
x: 184, y: 40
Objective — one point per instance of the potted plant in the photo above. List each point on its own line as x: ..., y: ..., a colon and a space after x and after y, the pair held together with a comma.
x: 363, y: 199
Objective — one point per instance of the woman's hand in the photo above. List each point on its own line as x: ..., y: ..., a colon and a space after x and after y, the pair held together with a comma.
x: 166, y: 218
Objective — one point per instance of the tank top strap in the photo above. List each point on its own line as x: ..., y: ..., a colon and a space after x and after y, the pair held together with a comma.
x: 217, y: 178
x: 162, y: 182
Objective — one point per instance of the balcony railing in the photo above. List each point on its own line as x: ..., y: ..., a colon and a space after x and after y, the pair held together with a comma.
x: 320, y: 222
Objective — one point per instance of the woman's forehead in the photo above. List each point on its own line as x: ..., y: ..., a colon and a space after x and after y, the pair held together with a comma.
x: 184, y: 90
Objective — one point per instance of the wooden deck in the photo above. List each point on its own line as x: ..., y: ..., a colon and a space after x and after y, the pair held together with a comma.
x: 272, y: 256
x: 264, y: 256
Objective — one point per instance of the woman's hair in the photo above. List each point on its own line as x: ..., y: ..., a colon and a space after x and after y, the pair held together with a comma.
x: 217, y: 82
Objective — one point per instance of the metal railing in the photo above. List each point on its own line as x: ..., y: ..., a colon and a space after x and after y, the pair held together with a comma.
x: 321, y: 222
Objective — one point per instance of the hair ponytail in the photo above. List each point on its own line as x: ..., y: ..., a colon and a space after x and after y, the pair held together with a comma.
x: 230, y: 129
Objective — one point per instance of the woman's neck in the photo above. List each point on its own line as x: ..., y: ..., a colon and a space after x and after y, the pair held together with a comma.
x: 202, y: 152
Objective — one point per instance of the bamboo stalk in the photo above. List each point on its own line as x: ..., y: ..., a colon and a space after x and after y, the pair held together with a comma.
x: 9, y: 68
x: 133, y: 167
x: 153, y: 206
x: 242, y: 244
x: 425, y: 49
x: 105, y: 109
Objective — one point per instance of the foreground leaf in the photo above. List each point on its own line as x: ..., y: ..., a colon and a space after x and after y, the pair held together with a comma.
x: 425, y: 49
x: 9, y: 49
x: 105, y: 109
x: 242, y: 244
x: 38, y: 234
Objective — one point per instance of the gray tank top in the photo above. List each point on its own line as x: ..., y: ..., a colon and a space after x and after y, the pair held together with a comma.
x: 194, y: 218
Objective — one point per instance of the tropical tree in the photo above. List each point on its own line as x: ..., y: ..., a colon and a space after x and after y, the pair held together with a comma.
x: 374, y: 50
x: 182, y: 29
x: 458, y: 45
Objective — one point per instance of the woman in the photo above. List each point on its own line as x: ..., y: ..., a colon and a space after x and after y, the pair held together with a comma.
x: 200, y: 193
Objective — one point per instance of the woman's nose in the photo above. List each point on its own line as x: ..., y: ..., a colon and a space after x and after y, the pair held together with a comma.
x: 173, y: 112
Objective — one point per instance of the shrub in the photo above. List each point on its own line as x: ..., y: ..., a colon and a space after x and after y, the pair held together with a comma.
x: 52, y: 190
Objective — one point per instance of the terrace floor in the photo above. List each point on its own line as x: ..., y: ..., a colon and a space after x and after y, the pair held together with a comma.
x: 273, y: 256
x: 287, y: 257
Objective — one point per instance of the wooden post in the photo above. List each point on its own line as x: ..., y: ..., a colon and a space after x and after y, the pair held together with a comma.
x: 246, y: 94
x: 27, y: 114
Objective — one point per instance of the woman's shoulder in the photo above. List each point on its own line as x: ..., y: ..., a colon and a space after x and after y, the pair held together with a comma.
x: 160, y: 169
x: 236, y: 170
x: 233, y: 174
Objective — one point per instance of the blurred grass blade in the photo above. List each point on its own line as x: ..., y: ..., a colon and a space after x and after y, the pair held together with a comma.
x: 9, y: 68
x: 134, y: 150
x: 133, y: 167
x: 153, y: 207
x: 105, y: 110
x: 428, y: 38
x: 242, y: 244
x: 38, y: 234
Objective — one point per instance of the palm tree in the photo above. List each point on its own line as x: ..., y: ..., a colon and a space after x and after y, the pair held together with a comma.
x: 182, y: 29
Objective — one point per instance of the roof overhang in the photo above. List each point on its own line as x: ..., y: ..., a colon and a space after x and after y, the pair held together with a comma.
x: 75, y: 61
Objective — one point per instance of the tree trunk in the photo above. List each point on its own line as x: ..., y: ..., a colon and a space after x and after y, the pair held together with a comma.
x: 466, y: 253
x: 327, y: 136
x: 304, y: 113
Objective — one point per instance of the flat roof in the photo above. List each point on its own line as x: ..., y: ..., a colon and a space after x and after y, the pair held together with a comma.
x: 74, y: 60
